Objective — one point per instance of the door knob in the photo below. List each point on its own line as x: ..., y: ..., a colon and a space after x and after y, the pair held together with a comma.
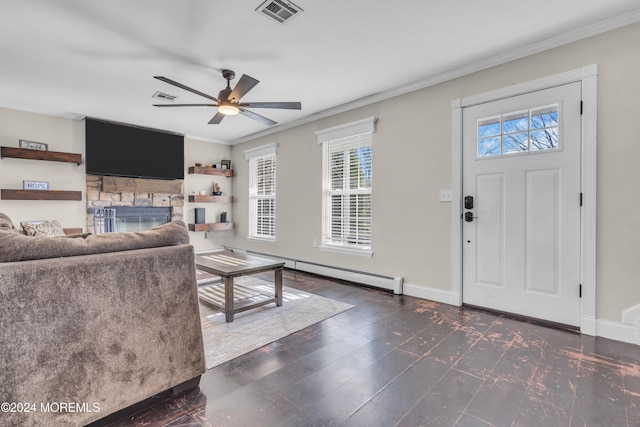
x: 468, y: 216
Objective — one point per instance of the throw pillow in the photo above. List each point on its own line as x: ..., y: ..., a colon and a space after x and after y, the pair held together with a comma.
x: 6, y: 224
x: 47, y: 228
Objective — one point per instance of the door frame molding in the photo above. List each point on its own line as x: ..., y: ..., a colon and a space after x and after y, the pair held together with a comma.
x: 588, y: 77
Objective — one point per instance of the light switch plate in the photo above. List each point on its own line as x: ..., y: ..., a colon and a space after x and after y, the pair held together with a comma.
x: 445, y: 195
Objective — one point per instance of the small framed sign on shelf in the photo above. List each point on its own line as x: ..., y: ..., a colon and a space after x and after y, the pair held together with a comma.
x: 31, y: 145
x: 226, y: 164
x: 35, y: 185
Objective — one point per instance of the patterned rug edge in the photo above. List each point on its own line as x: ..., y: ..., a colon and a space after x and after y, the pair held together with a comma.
x: 253, y: 329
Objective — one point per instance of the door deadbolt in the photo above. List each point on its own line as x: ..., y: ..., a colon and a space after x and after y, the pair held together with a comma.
x: 468, y: 202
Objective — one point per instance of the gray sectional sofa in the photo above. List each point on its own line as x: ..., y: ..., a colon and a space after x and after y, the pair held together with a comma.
x: 93, y: 324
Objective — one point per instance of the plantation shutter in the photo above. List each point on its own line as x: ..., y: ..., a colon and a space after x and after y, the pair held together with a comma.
x: 262, y: 192
x: 349, y: 195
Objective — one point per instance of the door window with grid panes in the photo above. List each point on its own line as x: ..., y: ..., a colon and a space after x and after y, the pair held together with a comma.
x: 518, y: 132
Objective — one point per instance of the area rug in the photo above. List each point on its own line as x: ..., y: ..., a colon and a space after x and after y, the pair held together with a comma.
x: 254, y: 328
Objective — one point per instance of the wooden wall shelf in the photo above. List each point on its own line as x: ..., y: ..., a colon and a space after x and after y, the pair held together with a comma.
x: 215, y: 226
x: 53, y: 156
x: 207, y: 170
x: 210, y: 199
x: 40, y: 195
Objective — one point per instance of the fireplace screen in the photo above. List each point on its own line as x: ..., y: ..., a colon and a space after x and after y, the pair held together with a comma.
x: 128, y: 218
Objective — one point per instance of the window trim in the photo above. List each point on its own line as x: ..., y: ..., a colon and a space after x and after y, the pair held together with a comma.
x: 346, y: 250
x: 367, y: 125
x: 263, y: 150
x: 252, y: 154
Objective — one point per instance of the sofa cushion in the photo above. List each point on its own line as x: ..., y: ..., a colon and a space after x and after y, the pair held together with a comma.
x: 46, y: 228
x: 6, y: 224
x: 18, y: 247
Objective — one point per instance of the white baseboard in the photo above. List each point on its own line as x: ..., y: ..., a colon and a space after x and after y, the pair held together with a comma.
x: 617, y: 331
x: 624, y: 332
x: 588, y: 325
x: 433, y: 294
x: 396, y: 284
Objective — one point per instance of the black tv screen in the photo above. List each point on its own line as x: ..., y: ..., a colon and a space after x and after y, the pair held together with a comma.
x: 121, y: 150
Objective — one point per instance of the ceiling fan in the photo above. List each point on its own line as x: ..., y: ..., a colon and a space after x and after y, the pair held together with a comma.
x: 228, y: 100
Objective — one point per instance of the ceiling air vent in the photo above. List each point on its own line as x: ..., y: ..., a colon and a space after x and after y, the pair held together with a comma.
x: 279, y: 10
x: 164, y: 96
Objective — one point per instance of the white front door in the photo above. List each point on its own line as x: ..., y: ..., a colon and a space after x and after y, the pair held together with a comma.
x: 521, y: 222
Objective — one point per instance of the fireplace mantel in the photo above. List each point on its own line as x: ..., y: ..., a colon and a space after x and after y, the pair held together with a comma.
x: 116, y: 184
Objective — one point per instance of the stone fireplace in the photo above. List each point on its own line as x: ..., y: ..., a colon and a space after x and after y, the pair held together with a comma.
x: 132, y: 204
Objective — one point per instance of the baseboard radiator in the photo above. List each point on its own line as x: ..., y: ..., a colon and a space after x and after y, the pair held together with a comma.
x: 370, y: 279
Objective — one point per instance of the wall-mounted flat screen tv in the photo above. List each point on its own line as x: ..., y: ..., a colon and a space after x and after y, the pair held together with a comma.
x: 122, y: 150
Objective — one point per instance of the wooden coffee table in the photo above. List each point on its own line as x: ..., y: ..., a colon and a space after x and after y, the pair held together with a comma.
x: 229, y: 265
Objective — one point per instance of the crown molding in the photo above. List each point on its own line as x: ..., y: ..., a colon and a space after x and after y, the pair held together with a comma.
x: 512, y: 55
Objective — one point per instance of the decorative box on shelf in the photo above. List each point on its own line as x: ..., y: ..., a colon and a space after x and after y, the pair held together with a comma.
x: 214, y: 226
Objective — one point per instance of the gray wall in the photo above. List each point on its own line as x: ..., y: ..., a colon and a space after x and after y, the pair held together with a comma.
x: 412, y: 163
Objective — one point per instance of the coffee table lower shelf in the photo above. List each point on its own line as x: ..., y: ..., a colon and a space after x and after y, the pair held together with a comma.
x: 229, y: 265
x: 245, y: 297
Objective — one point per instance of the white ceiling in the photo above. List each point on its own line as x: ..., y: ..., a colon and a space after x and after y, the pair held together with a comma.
x: 97, y: 58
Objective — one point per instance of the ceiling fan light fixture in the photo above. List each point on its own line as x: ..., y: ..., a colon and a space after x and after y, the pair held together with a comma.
x: 228, y: 109
x: 228, y: 100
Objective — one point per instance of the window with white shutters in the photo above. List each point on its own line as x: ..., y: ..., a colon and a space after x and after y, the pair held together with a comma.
x: 262, y: 195
x: 348, y: 178
x: 348, y: 194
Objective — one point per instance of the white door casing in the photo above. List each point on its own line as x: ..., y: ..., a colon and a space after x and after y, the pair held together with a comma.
x: 587, y: 77
x: 521, y: 252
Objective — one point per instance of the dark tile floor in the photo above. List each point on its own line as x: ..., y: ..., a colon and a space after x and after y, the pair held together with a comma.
x: 401, y: 361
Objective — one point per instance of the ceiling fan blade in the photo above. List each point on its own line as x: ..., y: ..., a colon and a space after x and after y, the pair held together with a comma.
x: 257, y: 117
x: 185, y: 105
x: 245, y: 84
x: 181, y: 86
x: 284, y: 105
x: 216, y: 119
